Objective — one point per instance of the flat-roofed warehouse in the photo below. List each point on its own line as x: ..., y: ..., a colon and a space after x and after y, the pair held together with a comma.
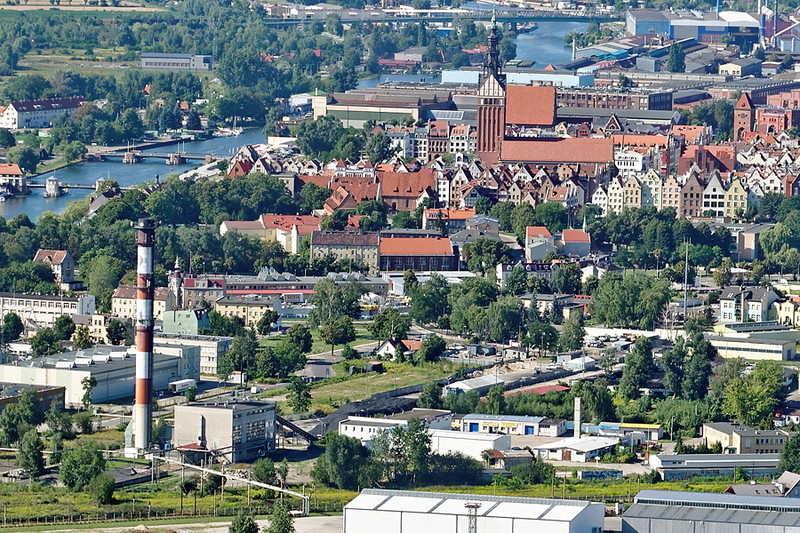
x: 664, y: 511
x: 397, y: 511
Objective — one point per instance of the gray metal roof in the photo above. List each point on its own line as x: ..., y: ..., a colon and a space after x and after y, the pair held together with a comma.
x: 727, y: 502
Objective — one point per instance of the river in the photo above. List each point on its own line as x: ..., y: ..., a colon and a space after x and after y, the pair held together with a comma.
x: 544, y: 45
x: 87, y: 173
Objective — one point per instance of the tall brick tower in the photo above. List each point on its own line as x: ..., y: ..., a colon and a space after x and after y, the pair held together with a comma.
x: 491, y: 102
x: 744, y: 117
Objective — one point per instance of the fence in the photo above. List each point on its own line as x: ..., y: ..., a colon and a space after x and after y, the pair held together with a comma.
x: 141, y: 512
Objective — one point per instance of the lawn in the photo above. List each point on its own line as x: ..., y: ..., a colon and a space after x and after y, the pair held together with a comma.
x: 328, y: 394
x: 363, y: 336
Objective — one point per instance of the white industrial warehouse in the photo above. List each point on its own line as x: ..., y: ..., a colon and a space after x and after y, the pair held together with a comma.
x: 397, y: 511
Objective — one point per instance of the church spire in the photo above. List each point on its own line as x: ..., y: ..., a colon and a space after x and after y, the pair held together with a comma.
x: 492, y: 65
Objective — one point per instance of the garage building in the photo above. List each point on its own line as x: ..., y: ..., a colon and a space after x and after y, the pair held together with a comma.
x: 396, y: 511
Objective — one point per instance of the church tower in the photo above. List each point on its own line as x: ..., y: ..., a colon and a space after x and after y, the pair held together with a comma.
x: 491, y: 102
x: 743, y: 117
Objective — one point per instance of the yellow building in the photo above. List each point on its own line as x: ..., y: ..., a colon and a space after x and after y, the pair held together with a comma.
x: 787, y: 312
x: 249, y: 308
x: 615, y: 195
x: 735, y: 198
x: 632, y: 192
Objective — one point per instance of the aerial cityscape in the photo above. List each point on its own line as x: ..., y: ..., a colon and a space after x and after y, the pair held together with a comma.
x: 458, y: 266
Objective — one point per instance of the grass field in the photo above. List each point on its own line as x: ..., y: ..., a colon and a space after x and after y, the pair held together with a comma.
x: 363, y: 336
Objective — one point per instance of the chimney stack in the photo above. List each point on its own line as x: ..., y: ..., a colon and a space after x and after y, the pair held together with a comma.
x: 577, y: 432
x: 142, y: 409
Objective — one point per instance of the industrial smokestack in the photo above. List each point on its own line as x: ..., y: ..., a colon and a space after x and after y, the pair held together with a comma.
x: 577, y: 432
x: 142, y: 409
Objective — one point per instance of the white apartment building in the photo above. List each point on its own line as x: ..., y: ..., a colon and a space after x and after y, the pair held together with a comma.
x: 42, y: 310
x: 37, y: 113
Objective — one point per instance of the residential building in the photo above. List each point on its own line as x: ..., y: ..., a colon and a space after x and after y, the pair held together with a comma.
x: 412, y: 511
x: 153, y: 61
x: 38, y: 113
x: 652, y: 189
x: 714, y: 197
x: 786, y: 486
x: 399, y: 253
x: 123, y: 302
x: 233, y: 432
x: 452, y: 219
x: 735, y: 199
x: 97, y: 325
x: 403, y: 191
x: 288, y: 230
x: 61, y: 263
x: 113, y: 367
x: 746, y: 303
x: 737, y: 438
x: 600, y: 198
x: 248, y: 307
x: 691, y: 204
x: 185, y: 321
x: 212, y: 348
x: 42, y: 310
x: 538, y: 243
x: 358, y: 247
x: 671, y: 196
x: 12, y: 179
x: 616, y: 200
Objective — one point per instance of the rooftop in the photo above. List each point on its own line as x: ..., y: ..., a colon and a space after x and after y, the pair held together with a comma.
x: 414, y: 246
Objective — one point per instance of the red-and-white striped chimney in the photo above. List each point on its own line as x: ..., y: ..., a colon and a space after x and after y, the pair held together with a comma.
x: 142, y: 409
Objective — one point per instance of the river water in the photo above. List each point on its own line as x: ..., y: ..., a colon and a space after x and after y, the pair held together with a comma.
x: 544, y: 45
x: 87, y: 173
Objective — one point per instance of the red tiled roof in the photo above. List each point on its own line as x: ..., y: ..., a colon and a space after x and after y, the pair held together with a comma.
x: 560, y: 150
x: 305, y: 223
x: 744, y: 102
x: 412, y: 246
x: 412, y: 346
x: 575, y: 235
x: 406, y: 184
x: 531, y: 105
x: 128, y: 292
x: 537, y: 231
x: 449, y: 214
x: 52, y: 257
x: 10, y: 170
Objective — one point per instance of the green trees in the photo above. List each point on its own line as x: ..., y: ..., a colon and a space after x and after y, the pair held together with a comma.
x: 338, y: 331
x: 64, y: 327
x: 115, y: 331
x: 83, y: 338
x: 12, y: 327
x: 24, y: 156
x: 639, y: 368
x: 280, y: 521
x: 517, y: 281
x: 430, y: 397
x: 341, y: 461
x: 300, y: 336
x: 30, y: 458
x: 264, y: 471
x: 430, y: 350
x: 790, y: 456
x: 379, y: 147
x: 299, y: 395
x: 542, y: 335
x: 484, y: 254
x: 429, y: 300
x: 676, y: 62
x: 264, y: 324
x: 390, y: 324
x: 506, y: 316
x: 573, y: 334
x: 87, y: 384
x: 567, y: 279
x: 79, y: 465
x: 243, y: 522
x: 44, y: 343
x: 101, y: 487
x: 633, y: 300
x: 687, y: 367
x: 332, y: 301
x: 752, y: 398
